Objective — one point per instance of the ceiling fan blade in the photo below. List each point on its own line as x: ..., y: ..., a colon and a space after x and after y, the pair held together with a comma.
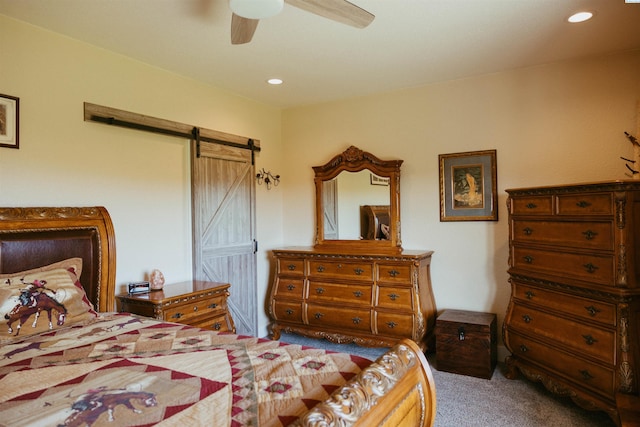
x: 336, y: 10
x: 242, y: 29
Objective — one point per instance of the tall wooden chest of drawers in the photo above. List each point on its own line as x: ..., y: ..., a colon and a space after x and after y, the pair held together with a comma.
x: 372, y: 300
x: 573, y: 321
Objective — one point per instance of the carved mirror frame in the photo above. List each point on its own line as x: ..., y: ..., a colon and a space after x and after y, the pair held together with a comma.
x: 354, y: 159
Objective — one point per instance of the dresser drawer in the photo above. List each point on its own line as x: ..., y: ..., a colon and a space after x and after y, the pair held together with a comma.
x: 390, y: 273
x: 184, y: 312
x: 287, y: 311
x: 585, y: 308
x: 291, y: 266
x: 394, y: 324
x: 588, y: 234
x: 394, y: 298
x: 593, y: 268
x: 358, y: 271
x: 585, y: 204
x: 585, y: 339
x: 216, y: 323
x: 356, y: 293
x: 532, y: 205
x: 593, y: 376
x: 344, y: 318
x: 289, y: 288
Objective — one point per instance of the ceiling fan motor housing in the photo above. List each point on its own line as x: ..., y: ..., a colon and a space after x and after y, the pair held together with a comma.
x: 256, y: 9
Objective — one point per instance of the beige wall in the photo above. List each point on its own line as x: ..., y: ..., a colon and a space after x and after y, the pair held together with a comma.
x: 142, y: 179
x: 552, y: 124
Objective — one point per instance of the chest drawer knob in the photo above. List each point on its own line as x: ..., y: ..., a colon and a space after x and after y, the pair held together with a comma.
x: 527, y: 231
x: 217, y: 326
x: 320, y: 268
x: 586, y: 375
x: 590, y: 267
x: 177, y: 316
x: 393, y: 297
x: 589, y: 235
x: 592, y: 310
x: 288, y: 311
x: 583, y: 204
x: 531, y: 205
x: 589, y: 339
x: 291, y: 287
x: 195, y: 308
x: 356, y: 320
x: 358, y: 271
x: 212, y: 305
x: 527, y: 318
x: 529, y: 294
x: 357, y: 294
x: 523, y: 348
x: 528, y: 259
x: 393, y: 273
x: 291, y: 267
x: 318, y: 315
x: 392, y: 325
x: 319, y: 291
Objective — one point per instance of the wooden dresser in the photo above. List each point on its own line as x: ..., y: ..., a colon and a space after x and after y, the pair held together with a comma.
x: 573, y: 321
x: 196, y: 303
x: 372, y: 300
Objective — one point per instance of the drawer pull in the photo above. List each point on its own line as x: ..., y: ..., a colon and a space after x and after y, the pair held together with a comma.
x: 527, y: 318
x: 217, y: 326
x: 523, y: 348
x: 528, y: 231
x: 589, y: 235
x: 358, y: 294
x: 392, y: 325
x: 320, y: 268
x: 319, y: 291
x: 356, y: 320
x: 583, y: 204
x: 195, y: 308
x: 318, y: 315
x: 528, y: 259
x: 461, y: 333
x: 394, y: 297
x: 590, y: 267
x: 291, y: 287
x: 291, y: 267
x: 592, y: 310
x: 589, y: 339
x: 288, y: 311
x: 393, y: 273
x: 586, y: 375
x: 529, y: 294
x: 358, y: 271
x: 177, y: 316
x: 212, y: 305
x: 531, y: 205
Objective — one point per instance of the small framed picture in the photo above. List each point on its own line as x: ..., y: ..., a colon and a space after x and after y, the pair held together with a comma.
x: 378, y: 180
x: 468, y: 186
x: 9, y: 121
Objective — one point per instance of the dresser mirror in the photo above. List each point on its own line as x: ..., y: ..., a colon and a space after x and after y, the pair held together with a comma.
x: 358, y: 203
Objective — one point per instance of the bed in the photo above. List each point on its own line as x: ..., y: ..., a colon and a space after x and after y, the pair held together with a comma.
x: 68, y: 359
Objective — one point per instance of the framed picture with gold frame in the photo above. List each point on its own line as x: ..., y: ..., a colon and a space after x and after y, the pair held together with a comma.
x: 468, y: 186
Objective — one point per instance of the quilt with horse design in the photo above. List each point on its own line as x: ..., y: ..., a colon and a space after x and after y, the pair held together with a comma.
x: 125, y: 370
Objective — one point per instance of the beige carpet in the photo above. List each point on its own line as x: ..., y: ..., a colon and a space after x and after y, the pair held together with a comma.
x: 474, y: 402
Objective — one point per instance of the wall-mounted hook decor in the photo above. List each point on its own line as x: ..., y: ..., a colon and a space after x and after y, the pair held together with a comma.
x: 268, y: 178
x: 635, y: 172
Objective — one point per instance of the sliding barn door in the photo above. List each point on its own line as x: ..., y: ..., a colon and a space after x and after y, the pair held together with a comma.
x: 224, y: 227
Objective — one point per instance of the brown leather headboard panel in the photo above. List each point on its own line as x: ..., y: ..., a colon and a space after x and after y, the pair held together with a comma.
x: 34, y: 237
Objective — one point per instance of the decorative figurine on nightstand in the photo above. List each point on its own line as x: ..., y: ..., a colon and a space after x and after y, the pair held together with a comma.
x: 157, y: 280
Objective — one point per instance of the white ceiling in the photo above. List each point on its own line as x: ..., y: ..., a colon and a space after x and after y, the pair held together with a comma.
x: 410, y: 42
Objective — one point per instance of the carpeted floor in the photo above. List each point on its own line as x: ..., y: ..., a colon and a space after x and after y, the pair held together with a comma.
x: 474, y: 402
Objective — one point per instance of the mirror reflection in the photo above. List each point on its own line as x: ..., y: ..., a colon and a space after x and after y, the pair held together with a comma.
x: 356, y: 206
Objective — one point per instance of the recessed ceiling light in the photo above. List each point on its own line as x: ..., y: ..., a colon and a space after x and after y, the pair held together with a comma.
x: 274, y: 81
x: 580, y: 17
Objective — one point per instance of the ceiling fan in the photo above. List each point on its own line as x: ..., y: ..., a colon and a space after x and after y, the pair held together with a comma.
x: 247, y: 14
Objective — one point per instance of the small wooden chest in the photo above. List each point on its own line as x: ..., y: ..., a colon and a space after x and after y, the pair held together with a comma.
x: 466, y: 343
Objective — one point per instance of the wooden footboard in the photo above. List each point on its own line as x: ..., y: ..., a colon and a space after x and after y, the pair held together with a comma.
x: 396, y: 390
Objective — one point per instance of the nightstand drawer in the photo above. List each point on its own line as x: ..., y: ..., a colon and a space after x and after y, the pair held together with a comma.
x: 218, y: 323
x: 196, y: 308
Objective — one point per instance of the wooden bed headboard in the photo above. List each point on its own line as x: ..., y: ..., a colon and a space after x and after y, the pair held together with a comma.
x: 38, y: 236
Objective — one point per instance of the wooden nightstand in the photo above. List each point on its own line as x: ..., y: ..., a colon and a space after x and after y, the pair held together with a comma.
x: 196, y: 303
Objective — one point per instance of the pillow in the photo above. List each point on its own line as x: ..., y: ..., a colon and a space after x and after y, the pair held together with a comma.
x: 53, y: 289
